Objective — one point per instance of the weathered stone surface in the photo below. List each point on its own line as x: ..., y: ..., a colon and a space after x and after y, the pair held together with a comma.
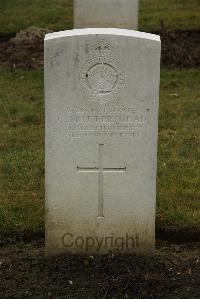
x: 106, y: 14
x: 102, y: 97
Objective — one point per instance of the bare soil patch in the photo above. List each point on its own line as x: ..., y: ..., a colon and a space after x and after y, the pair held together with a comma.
x: 25, y: 50
x: 174, y: 272
x: 180, y: 49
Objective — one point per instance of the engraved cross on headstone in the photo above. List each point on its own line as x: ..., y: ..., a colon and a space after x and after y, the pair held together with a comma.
x: 101, y: 170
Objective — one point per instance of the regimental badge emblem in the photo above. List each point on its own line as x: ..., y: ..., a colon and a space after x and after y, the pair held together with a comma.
x: 102, y: 77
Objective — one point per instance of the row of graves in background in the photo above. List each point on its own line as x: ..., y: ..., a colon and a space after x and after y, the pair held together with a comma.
x: 102, y: 100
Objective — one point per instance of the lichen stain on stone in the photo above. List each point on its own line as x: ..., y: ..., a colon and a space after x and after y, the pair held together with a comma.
x: 86, y: 49
x: 76, y: 59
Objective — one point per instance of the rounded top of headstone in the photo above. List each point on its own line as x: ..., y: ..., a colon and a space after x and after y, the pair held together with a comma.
x: 102, y: 31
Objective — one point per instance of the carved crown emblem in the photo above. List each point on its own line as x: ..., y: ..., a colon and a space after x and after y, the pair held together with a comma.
x: 102, y: 48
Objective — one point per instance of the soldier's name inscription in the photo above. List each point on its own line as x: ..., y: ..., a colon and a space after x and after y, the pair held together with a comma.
x: 115, y: 121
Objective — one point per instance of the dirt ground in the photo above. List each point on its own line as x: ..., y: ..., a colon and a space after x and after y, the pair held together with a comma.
x: 173, y: 273
x: 180, y: 49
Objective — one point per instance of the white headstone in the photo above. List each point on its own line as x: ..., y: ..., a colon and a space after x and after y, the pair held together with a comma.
x: 106, y: 14
x: 102, y: 97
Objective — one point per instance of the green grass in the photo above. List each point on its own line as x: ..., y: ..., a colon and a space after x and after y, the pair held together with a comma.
x: 16, y: 15
x: 22, y: 150
x: 176, y: 14
x: 179, y: 149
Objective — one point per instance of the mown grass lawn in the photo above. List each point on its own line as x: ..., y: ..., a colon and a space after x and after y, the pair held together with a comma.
x: 176, y: 14
x: 22, y: 150
x: 16, y: 15
x: 178, y: 192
